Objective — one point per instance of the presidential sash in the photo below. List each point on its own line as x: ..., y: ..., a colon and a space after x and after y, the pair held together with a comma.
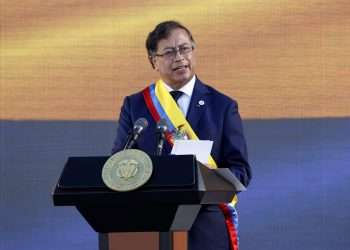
x: 162, y: 106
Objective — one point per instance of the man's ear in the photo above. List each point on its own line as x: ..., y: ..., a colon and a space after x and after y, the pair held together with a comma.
x: 152, y: 60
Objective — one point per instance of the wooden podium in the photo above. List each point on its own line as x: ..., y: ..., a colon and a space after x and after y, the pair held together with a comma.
x: 169, y: 202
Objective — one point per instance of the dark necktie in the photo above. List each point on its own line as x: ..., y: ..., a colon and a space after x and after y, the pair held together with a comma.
x: 176, y: 94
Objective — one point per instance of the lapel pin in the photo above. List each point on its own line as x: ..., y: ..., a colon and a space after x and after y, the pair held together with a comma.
x: 201, y: 103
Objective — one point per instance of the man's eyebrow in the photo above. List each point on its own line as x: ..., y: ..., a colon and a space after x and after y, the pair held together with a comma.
x: 170, y: 47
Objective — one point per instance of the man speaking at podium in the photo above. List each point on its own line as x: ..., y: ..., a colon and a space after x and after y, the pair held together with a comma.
x: 192, y: 110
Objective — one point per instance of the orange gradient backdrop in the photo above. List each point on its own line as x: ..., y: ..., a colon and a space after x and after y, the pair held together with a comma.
x: 76, y: 60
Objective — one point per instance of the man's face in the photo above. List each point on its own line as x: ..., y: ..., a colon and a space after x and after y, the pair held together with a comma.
x: 178, y: 69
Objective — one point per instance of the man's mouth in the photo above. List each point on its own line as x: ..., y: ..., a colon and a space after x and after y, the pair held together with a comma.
x: 180, y: 67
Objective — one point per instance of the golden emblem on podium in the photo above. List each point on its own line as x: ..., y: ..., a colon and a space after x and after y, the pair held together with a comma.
x: 127, y: 170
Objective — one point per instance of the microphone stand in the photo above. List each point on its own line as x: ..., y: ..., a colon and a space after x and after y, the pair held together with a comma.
x: 160, y: 144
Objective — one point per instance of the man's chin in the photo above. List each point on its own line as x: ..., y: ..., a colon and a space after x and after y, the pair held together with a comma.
x: 185, y: 77
x: 181, y: 81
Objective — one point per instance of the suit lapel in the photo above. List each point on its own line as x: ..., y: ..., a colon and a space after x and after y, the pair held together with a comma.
x: 199, y: 101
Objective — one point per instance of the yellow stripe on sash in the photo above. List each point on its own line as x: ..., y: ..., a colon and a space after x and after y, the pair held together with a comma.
x: 178, y: 119
x: 175, y: 114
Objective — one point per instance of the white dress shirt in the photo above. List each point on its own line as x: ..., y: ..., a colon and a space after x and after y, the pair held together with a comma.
x: 185, y: 98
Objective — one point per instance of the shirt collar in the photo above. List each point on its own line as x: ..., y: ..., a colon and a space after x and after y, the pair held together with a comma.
x: 187, y: 88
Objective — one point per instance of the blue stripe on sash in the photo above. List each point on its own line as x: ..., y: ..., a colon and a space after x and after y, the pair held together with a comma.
x: 159, y: 108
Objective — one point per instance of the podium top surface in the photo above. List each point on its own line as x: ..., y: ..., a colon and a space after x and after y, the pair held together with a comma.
x: 169, y: 171
x: 175, y: 180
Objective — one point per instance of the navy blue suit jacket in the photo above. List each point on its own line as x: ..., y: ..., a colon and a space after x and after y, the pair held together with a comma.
x: 217, y: 120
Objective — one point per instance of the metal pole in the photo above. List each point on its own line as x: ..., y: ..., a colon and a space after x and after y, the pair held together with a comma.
x: 103, y: 242
x: 166, y: 240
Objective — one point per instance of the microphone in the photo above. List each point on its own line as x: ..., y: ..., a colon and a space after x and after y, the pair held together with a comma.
x: 161, y: 128
x: 140, y: 125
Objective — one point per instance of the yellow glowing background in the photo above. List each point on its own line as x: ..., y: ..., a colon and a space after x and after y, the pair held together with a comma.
x: 77, y: 59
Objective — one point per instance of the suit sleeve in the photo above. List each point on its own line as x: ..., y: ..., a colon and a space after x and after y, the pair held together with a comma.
x: 234, y: 148
x: 124, y: 127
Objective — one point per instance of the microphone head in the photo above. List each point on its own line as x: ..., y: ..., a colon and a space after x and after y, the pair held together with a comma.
x: 162, y: 126
x: 140, y: 125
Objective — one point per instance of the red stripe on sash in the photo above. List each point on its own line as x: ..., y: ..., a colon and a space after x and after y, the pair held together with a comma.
x: 230, y: 226
x: 152, y: 109
x: 147, y: 96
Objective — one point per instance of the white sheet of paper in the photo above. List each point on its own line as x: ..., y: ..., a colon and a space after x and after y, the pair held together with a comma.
x: 200, y: 148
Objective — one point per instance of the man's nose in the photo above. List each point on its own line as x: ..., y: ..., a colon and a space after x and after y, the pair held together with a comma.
x: 178, y: 55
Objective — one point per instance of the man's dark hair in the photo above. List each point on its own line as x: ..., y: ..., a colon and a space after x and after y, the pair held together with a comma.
x: 162, y: 31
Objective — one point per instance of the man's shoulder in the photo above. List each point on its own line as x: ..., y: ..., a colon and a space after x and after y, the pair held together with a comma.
x: 217, y: 96
x: 136, y: 96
